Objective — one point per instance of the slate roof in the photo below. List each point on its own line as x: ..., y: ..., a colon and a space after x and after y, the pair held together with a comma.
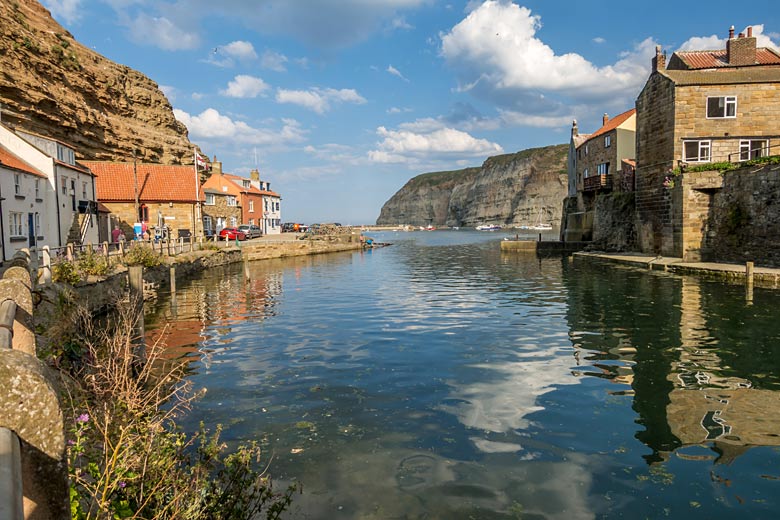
x: 613, y: 123
x: 13, y: 162
x: 724, y: 76
x: 156, y: 182
x: 719, y: 59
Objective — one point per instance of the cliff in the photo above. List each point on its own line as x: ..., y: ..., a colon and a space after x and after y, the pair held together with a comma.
x: 52, y: 85
x: 519, y: 188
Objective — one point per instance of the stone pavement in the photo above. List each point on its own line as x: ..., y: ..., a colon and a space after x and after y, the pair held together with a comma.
x: 764, y: 276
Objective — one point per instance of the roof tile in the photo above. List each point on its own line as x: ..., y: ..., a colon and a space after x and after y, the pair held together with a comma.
x: 156, y: 182
x: 12, y: 161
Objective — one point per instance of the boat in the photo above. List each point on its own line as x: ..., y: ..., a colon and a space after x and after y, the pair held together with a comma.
x: 488, y: 227
x: 542, y: 227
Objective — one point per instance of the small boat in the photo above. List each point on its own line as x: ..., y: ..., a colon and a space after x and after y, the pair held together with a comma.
x: 488, y: 227
x: 542, y: 227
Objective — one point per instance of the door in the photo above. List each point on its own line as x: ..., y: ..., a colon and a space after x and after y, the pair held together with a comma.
x: 31, y: 229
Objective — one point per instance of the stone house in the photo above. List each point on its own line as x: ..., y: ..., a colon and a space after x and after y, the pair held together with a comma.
x: 224, y: 203
x: 71, y: 210
x: 169, y: 197
x: 594, y: 162
x: 702, y: 107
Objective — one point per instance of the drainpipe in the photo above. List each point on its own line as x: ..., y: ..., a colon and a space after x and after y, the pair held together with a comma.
x: 57, y: 200
x: 2, y: 226
x: 94, y: 205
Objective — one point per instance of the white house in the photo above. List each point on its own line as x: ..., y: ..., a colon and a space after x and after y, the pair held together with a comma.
x: 70, y: 201
x: 271, y: 222
x: 23, y: 194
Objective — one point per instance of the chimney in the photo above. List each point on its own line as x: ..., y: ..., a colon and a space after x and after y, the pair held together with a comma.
x: 216, y: 166
x: 574, y: 130
x: 659, y: 60
x: 604, y: 119
x: 731, y: 32
x: 741, y: 51
x: 255, y: 175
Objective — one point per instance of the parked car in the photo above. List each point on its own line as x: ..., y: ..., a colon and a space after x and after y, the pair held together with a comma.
x: 251, y: 231
x: 232, y: 233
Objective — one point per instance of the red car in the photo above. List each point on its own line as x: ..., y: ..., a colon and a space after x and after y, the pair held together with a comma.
x: 232, y: 233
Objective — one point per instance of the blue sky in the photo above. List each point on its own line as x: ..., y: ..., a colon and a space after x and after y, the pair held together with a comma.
x: 340, y: 102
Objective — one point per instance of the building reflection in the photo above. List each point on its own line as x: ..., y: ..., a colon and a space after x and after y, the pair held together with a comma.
x: 677, y: 349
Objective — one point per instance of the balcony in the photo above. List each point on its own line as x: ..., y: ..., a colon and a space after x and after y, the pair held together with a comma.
x: 598, y: 182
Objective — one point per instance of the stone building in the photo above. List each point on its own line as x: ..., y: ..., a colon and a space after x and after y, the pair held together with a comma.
x: 703, y: 107
x: 595, y: 161
x: 222, y: 207
x: 169, y: 197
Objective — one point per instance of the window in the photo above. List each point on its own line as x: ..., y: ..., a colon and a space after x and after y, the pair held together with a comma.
x: 696, y: 151
x: 246, y: 184
x: 585, y: 173
x: 83, y: 191
x: 251, y: 207
x: 586, y: 149
x: 277, y: 206
x: 603, y: 168
x: 233, y: 221
x: 64, y: 186
x: 207, y: 223
x: 265, y: 202
x: 231, y: 200
x: 721, y: 107
x: 607, y: 141
x: 210, y: 199
x: 16, y: 224
x: 18, y: 183
x: 37, y: 224
x: 37, y: 188
x: 753, y: 149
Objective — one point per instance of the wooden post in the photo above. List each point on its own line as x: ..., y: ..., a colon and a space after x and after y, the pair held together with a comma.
x: 105, y: 249
x: 749, y: 283
x: 135, y: 275
x: 69, y: 252
x: 122, y: 248
x: 46, y: 279
x: 173, y: 279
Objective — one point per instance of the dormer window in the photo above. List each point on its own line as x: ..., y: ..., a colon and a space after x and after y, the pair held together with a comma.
x: 246, y: 184
x: 721, y: 107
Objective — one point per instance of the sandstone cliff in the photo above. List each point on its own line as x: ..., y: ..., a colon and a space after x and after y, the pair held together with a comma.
x: 52, y: 85
x: 520, y: 188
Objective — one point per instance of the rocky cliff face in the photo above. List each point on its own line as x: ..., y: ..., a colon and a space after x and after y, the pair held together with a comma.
x: 521, y: 188
x: 52, y: 85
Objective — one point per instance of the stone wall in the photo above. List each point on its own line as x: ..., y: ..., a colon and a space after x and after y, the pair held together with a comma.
x: 614, y: 222
x: 220, y: 209
x: 743, y: 221
x: 179, y: 216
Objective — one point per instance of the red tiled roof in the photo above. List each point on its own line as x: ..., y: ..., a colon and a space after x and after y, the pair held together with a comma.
x: 156, y: 182
x: 10, y: 160
x: 613, y: 123
x: 717, y: 59
x: 239, y: 181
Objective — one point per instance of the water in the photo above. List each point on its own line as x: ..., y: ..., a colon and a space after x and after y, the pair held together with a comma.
x: 439, y: 378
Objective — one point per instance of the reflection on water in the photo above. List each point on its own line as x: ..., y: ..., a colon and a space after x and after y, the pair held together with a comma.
x: 439, y: 378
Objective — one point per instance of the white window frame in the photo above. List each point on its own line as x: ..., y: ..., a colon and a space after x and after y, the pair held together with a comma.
x: 207, y: 223
x: 603, y: 168
x: 232, y: 201
x: 251, y: 206
x: 37, y: 188
x: 17, y: 183
x: 210, y: 199
x: 728, y: 101
x: 607, y: 141
x: 703, y: 144
x: 37, y: 224
x: 749, y: 147
x: 84, y: 191
x: 64, y: 186
x: 16, y: 224
x: 585, y: 173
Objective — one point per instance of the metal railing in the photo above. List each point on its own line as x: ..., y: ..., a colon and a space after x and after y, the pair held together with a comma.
x: 752, y: 153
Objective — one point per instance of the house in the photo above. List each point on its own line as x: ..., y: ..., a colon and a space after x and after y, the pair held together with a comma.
x: 167, y: 198
x: 272, y: 205
x: 23, y: 195
x: 222, y: 207
x: 594, y: 161
x: 702, y: 107
x: 71, y: 211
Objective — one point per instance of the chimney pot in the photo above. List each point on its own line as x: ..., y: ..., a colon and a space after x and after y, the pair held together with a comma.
x: 731, y: 32
x: 750, y: 32
x: 604, y: 119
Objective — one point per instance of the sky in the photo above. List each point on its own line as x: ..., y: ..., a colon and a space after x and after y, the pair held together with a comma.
x: 339, y: 103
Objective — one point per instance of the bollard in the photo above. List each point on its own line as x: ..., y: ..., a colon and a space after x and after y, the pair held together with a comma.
x: 173, y: 280
x: 749, y: 272
x: 540, y: 237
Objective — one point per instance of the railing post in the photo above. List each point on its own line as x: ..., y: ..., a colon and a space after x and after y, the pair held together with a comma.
x: 46, y: 278
x: 122, y: 248
x: 69, y: 252
x: 105, y: 249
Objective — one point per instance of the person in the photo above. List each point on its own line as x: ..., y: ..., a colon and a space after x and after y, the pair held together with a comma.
x: 144, y: 230
x: 122, y: 237
x: 115, y: 234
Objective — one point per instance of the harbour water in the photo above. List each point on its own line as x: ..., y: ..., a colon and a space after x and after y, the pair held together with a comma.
x: 439, y: 378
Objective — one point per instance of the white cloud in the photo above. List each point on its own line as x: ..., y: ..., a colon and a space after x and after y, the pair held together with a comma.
x: 243, y: 86
x: 497, y: 54
x: 274, y: 61
x: 319, y: 100
x: 239, y: 49
x: 398, y: 110
x: 400, y: 22
x: 714, y: 43
x: 68, y: 11
x: 161, y: 32
x: 427, y: 143
x: 395, y: 72
x: 212, y: 125
x: 599, y: 39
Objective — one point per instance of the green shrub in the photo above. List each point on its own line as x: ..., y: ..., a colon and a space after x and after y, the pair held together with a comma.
x: 91, y: 263
x: 65, y: 272
x: 143, y: 255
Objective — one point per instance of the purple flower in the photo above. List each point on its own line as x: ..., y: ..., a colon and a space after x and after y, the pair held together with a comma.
x: 83, y: 418
x: 122, y: 484
x: 71, y: 442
